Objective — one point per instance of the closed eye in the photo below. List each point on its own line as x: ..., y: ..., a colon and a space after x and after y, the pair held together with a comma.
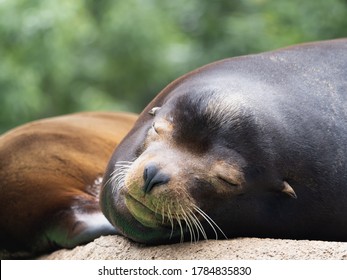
x: 227, y: 181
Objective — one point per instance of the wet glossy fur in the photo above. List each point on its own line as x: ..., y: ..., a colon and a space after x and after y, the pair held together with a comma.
x: 279, y: 117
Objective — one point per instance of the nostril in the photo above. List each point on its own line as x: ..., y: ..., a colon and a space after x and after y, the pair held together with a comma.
x: 149, y: 172
x: 153, y: 177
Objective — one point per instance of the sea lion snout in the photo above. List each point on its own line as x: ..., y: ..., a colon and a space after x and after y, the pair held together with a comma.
x: 153, y: 177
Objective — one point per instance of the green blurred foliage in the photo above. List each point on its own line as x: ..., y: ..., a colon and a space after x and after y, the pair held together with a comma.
x: 66, y: 56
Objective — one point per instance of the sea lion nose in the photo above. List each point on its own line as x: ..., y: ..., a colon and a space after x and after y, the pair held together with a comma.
x: 153, y: 177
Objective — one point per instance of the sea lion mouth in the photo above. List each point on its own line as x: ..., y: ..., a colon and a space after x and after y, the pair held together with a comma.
x: 142, y: 213
x: 185, y: 220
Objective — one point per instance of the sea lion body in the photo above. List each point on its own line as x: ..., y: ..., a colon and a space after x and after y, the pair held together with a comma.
x: 248, y: 146
x: 50, y: 176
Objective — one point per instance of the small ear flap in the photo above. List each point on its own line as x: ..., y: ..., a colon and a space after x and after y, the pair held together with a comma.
x: 153, y: 111
x: 287, y: 189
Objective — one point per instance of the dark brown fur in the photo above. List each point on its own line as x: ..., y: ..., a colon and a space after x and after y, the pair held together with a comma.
x: 258, y: 142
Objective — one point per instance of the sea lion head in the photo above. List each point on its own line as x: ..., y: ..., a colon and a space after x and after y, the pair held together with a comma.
x: 191, y: 152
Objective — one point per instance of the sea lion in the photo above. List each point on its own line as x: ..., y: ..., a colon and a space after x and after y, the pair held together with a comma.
x: 50, y: 177
x: 249, y: 146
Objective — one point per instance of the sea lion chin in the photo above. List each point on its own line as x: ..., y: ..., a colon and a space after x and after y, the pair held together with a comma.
x: 247, y: 146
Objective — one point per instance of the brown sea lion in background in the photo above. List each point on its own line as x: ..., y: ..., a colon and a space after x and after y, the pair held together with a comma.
x: 50, y: 175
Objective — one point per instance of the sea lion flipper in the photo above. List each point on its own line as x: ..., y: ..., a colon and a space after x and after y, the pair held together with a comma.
x: 80, y: 229
x: 287, y: 189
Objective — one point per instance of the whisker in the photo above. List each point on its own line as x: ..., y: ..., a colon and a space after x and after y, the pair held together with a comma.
x: 207, y: 219
x: 117, y: 177
x: 171, y: 220
x: 181, y: 229
x: 189, y: 225
x: 163, y: 211
x: 210, y: 221
x: 156, y: 208
x: 196, y: 229
x: 198, y: 224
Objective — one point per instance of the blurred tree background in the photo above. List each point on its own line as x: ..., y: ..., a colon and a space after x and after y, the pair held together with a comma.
x: 66, y: 56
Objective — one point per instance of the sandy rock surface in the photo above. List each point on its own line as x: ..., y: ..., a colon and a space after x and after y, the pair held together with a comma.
x: 117, y: 247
